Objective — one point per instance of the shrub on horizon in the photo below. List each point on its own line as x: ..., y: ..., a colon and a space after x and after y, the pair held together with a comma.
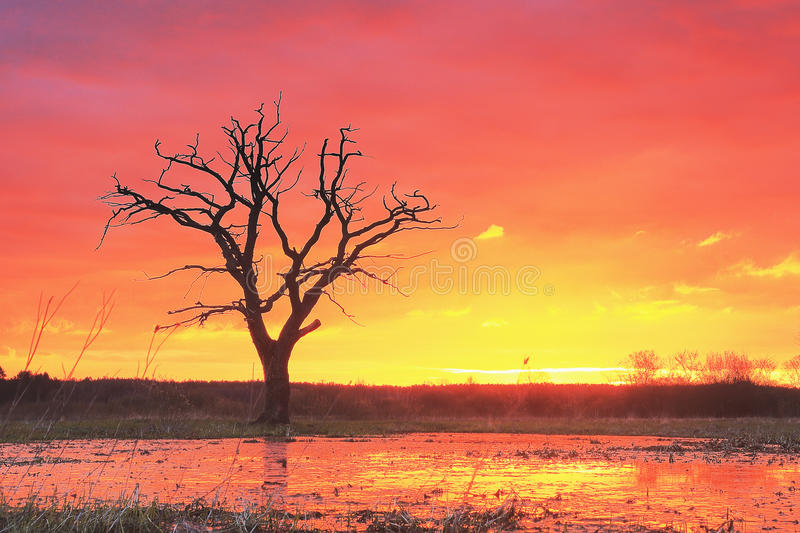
x: 641, y: 367
x: 792, y: 367
x: 685, y: 367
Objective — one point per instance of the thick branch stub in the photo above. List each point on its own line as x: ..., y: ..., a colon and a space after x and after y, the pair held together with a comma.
x: 309, y: 328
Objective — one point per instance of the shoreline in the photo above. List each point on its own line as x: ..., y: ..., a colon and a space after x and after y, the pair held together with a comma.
x: 744, y: 431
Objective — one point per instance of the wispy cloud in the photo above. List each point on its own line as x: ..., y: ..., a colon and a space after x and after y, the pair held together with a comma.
x: 788, y: 267
x: 492, y: 232
x: 494, y: 324
x: 682, y: 288
x: 714, y: 238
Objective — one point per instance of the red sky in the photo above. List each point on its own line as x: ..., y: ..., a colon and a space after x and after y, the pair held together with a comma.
x: 642, y: 156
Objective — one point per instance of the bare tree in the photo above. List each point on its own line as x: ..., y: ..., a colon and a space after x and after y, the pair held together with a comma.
x: 641, y: 367
x: 235, y: 199
x: 764, y: 371
x: 792, y: 367
x: 686, y: 366
x: 734, y: 367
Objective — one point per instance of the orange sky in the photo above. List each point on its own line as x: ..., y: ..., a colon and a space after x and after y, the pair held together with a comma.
x: 642, y: 156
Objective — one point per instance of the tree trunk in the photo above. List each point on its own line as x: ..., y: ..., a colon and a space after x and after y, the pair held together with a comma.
x: 276, y: 386
x: 274, y: 356
x: 276, y: 383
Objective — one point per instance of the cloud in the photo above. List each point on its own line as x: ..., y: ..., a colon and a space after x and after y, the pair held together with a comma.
x: 494, y: 324
x: 714, y: 238
x: 788, y: 267
x: 492, y: 232
x: 682, y: 288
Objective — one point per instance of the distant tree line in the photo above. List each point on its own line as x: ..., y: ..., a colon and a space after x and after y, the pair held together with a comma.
x: 726, y: 384
x: 645, y: 367
x: 27, y: 385
x: 105, y: 398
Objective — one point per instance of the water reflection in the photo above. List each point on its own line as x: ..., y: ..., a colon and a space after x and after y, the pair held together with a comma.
x: 603, y: 478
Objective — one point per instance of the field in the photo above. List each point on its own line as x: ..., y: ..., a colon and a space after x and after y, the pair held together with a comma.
x: 456, y: 458
x: 740, y: 432
x: 115, y: 408
x: 98, y: 398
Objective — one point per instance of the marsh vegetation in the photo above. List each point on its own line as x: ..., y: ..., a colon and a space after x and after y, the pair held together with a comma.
x: 421, y: 482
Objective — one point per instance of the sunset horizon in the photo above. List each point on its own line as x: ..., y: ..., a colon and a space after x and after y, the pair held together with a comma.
x: 619, y: 180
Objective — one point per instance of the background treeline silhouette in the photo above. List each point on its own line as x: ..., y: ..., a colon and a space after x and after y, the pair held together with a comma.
x: 100, y: 398
x: 645, y: 367
x: 725, y: 384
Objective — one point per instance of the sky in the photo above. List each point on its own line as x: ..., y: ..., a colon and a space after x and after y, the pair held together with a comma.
x: 623, y: 175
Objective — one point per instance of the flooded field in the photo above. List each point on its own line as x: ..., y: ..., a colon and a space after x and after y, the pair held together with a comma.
x: 581, y: 482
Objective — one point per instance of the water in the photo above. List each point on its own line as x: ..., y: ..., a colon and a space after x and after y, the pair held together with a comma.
x: 656, y: 482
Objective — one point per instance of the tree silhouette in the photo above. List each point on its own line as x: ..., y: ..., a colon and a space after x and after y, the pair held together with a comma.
x: 792, y: 367
x: 236, y: 199
x: 641, y: 367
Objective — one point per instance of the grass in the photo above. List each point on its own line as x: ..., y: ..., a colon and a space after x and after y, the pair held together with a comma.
x: 756, y: 430
x: 131, y: 516
x: 32, y: 395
